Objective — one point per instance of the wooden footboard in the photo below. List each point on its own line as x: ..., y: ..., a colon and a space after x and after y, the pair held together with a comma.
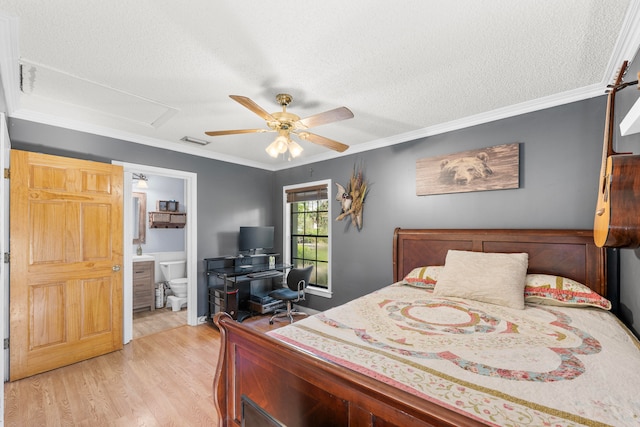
x: 299, y: 389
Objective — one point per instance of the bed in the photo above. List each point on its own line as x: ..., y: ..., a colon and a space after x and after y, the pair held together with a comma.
x: 401, y: 356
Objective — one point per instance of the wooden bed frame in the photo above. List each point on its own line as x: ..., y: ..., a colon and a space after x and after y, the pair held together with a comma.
x: 300, y: 389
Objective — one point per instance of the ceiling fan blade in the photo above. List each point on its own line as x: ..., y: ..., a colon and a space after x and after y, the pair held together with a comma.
x: 234, y: 132
x: 321, y: 140
x: 335, y: 115
x: 248, y: 103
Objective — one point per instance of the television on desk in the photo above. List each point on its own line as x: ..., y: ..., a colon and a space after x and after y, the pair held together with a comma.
x: 252, y: 239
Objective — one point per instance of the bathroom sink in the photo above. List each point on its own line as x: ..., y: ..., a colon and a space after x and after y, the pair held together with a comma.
x: 138, y: 258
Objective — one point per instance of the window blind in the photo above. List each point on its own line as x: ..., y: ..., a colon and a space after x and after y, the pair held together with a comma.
x: 306, y: 194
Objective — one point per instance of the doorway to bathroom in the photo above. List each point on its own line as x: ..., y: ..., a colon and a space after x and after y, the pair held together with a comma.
x: 160, y: 245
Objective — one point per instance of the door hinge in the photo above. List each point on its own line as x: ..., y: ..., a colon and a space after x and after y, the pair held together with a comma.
x: 7, y: 173
x: 6, y: 343
x: 7, y: 257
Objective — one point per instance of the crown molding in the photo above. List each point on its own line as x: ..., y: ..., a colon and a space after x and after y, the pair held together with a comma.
x: 478, y: 119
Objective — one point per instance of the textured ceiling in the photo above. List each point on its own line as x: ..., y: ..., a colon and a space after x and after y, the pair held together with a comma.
x: 152, y: 71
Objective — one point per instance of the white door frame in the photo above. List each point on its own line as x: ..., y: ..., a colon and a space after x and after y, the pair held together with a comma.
x: 191, y: 244
x: 5, y: 148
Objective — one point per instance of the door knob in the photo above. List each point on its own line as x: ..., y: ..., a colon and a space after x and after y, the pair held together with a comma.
x: 116, y: 267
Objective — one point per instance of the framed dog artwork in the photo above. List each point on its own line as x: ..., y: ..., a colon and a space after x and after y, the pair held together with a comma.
x: 491, y: 168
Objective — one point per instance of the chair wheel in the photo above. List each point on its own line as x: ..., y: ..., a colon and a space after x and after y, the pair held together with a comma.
x: 271, y: 322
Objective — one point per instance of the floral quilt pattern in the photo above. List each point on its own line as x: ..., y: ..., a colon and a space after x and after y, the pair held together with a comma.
x: 475, y: 321
x: 503, y: 366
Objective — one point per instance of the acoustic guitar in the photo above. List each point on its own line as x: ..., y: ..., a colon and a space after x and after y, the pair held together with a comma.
x: 617, y: 217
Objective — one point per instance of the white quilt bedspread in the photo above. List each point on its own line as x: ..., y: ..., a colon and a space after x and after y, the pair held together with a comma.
x: 541, y: 366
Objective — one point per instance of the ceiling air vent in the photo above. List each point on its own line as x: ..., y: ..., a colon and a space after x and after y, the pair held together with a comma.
x: 194, y: 140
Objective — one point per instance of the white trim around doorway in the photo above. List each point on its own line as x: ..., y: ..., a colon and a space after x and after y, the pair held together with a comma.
x: 191, y: 244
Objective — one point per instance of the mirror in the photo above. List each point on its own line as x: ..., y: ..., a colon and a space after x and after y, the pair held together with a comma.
x: 139, y: 215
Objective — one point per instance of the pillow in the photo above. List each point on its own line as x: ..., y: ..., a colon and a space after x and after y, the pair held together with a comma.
x: 496, y: 278
x: 423, y: 277
x: 556, y: 290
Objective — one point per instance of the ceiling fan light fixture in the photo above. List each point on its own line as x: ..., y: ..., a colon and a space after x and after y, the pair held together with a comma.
x: 286, y: 123
x: 294, y: 148
x: 278, y: 146
x: 272, y: 150
x: 281, y: 144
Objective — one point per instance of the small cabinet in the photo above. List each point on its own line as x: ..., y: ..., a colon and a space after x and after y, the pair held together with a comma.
x: 144, y: 285
x: 167, y: 219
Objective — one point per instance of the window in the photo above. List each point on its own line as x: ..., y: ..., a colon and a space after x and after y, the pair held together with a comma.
x: 307, y: 240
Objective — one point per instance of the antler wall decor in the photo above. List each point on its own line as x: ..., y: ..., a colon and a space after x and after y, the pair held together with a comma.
x: 352, y: 199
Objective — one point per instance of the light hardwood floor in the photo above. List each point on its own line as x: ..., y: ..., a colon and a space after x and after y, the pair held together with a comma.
x: 161, y: 379
x: 150, y: 322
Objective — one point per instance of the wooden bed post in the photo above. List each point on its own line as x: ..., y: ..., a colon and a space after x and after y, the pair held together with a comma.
x: 220, y: 377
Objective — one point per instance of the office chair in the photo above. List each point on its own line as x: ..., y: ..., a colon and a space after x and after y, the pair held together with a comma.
x: 297, y: 281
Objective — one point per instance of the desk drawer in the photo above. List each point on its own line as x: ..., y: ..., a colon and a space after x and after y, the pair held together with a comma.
x: 141, y: 273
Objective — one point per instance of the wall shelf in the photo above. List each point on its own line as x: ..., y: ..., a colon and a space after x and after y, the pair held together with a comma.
x: 167, y: 219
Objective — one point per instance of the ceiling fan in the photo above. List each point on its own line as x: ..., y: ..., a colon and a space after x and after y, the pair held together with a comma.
x: 286, y: 124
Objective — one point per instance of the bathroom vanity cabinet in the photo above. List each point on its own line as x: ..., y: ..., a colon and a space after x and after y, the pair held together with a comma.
x: 144, y: 292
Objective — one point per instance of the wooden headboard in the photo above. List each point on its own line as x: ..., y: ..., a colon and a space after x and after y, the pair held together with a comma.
x: 568, y: 253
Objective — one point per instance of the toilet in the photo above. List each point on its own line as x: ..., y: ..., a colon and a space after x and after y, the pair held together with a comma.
x: 174, y: 273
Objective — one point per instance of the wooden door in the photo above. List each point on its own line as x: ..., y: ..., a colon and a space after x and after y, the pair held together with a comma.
x: 66, y: 253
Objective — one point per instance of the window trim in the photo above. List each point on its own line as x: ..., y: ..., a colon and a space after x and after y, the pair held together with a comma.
x: 286, y: 233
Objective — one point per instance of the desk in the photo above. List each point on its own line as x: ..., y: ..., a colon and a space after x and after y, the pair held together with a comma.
x: 230, y: 279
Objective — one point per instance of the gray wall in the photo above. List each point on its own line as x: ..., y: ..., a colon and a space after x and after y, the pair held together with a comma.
x: 560, y: 151
x: 228, y: 195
